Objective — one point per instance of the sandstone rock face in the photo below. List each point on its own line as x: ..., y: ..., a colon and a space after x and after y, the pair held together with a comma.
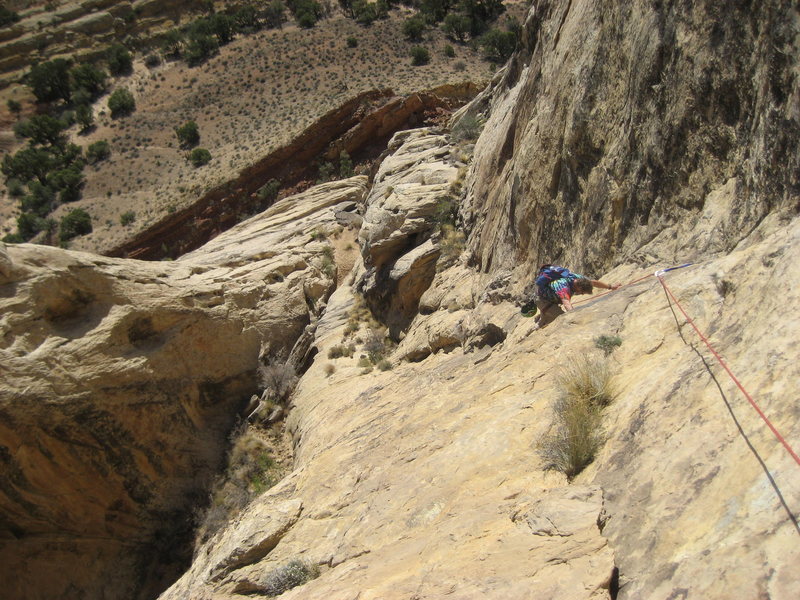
x: 120, y: 382
x: 425, y: 481
x: 618, y: 121
x: 399, y: 222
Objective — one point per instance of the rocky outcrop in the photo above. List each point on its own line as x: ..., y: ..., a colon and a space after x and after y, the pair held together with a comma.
x: 614, y: 127
x: 361, y: 126
x: 121, y: 380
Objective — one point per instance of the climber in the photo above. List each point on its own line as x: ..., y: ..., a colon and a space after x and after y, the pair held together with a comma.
x: 555, y: 287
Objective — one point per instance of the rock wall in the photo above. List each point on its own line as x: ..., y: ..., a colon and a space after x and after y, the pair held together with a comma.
x: 616, y: 124
x: 121, y: 380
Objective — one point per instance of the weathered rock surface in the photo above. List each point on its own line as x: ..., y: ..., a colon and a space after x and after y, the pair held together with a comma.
x: 425, y: 481
x: 617, y: 124
x: 120, y: 382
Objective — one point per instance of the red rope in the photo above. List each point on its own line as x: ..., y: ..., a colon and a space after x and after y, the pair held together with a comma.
x: 732, y: 376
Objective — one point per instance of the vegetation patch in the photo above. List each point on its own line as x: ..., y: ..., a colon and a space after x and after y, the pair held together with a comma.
x: 577, y: 430
x: 607, y: 343
x: 288, y: 576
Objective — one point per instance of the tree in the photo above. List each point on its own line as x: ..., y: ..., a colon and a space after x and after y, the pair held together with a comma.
x: 28, y: 225
x: 275, y: 14
x: 420, y: 56
x: 457, y: 26
x: 43, y: 130
x: 85, y: 117
x: 199, y: 157
x: 121, y: 103
x: 200, y: 47
x: 222, y: 26
x: 88, y: 79
x: 188, y: 134
x: 29, y: 164
x: 49, y: 81
x: 498, y: 45
x: 171, y: 46
x: 364, y: 12
x: 435, y: 10
x: 68, y: 182
x: 246, y: 19
x: 119, y: 60
x: 39, y: 201
x: 413, y: 28
x: 76, y: 222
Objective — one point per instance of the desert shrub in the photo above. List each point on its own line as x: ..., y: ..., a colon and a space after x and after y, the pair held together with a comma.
x: 14, y: 106
x: 97, y: 151
x: 588, y: 378
x: 119, y: 60
x: 467, y: 129
x: 15, y: 188
x: 76, y: 222
x: 345, y: 165
x: 152, y: 60
x: 199, y: 157
x: 460, y: 66
x: 250, y: 470
x: 498, y: 45
x: 451, y: 245
x: 327, y: 263
x: 575, y: 437
x: 28, y: 225
x: 375, y: 346
x: 278, y: 381
x: 384, y: 365
x: 341, y: 350
x: 121, y: 103
x: 288, y: 576
x: 171, y: 45
x: 325, y: 172
x: 364, y: 363
x: 39, y: 200
x: 306, y: 12
x: 607, y: 343
x: 413, y: 28
x: 352, y: 42
x: 269, y: 191
x: 127, y: 218
x: 577, y: 433
x: 68, y: 181
x: 445, y: 212
x: 188, y: 134
x: 330, y: 369
x: 420, y: 56
x: 449, y: 52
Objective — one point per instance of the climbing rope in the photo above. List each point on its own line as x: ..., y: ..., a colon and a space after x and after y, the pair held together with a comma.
x: 660, y: 276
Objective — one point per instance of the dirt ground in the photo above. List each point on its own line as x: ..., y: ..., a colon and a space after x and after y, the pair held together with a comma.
x: 258, y: 93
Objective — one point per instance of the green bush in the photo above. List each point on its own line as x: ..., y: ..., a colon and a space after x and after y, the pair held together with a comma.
x: 352, y: 42
x: 188, y: 134
x: 7, y: 17
x: 345, y: 165
x: 85, y: 116
x: 119, y: 60
x: 76, y: 222
x: 97, y: 151
x: 498, y: 45
x: 449, y: 51
x: 43, y: 130
x: 199, y: 157
x: 28, y: 225
x: 127, y: 218
x: 278, y: 381
x: 14, y: 106
x: 457, y: 27
x: 607, y: 343
x: 121, y: 103
x: 340, y: 350
x: 288, y: 576
x: 89, y: 80
x: 420, y: 56
x: 269, y: 191
x: 275, y: 14
x: 152, y: 60
x: 413, y: 28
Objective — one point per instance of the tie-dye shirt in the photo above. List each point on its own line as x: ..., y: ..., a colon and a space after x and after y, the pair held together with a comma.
x: 561, y: 289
